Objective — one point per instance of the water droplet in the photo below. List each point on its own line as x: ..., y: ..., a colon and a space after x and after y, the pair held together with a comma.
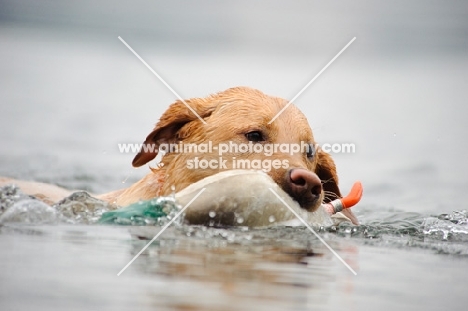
x: 125, y: 180
x: 240, y: 220
x: 394, y: 134
x: 149, y: 221
x: 212, y: 214
x: 271, y: 218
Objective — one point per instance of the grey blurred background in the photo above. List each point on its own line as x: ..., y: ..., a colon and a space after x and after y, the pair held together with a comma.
x: 70, y: 91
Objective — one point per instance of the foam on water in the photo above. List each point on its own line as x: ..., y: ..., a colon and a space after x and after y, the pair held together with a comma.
x: 78, y: 208
x: 445, y: 233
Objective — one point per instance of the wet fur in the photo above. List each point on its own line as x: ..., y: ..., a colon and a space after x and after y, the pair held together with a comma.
x: 229, y: 115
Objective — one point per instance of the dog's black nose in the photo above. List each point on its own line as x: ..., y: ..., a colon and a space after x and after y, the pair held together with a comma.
x: 305, y: 187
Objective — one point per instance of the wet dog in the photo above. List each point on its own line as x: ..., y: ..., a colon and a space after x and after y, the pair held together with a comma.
x: 235, y: 117
x: 237, y: 131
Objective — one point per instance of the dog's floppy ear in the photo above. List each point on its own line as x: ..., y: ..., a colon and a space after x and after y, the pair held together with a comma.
x: 165, y: 132
x: 326, y: 171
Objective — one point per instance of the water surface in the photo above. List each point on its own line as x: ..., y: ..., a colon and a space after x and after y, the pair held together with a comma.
x: 70, y: 91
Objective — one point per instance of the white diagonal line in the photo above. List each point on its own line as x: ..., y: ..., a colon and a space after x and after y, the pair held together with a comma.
x: 161, y: 231
x: 161, y: 79
x: 310, y: 82
x: 313, y: 231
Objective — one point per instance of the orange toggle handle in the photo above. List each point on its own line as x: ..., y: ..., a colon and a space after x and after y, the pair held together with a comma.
x: 354, y: 195
x: 348, y: 201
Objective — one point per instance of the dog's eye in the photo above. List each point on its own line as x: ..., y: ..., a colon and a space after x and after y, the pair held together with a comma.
x: 254, y: 136
x: 310, y: 151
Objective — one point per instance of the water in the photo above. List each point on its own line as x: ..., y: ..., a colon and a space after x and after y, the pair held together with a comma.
x: 70, y: 91
x: 75, y: 266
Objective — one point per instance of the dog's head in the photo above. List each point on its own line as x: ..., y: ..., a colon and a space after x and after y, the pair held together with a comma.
x: 238, y: 134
